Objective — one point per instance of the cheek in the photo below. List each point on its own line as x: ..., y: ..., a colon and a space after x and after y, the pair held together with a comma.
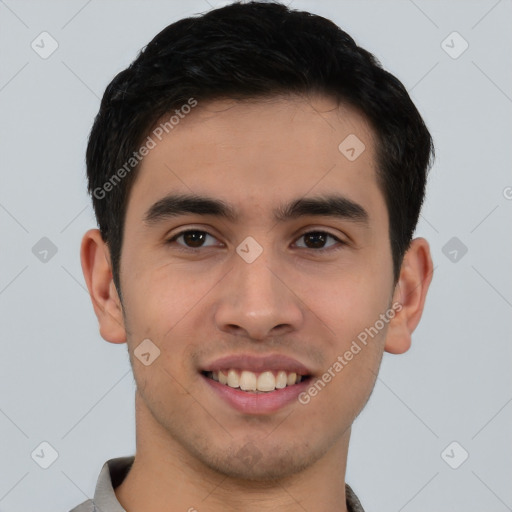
x: 159, y: 299
x: 350, y: 308
x: 353, y: 352
x: 346, y: 300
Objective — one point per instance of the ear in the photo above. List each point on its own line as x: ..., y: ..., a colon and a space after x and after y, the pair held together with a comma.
x: 410, y: 292
x: 95, y: 258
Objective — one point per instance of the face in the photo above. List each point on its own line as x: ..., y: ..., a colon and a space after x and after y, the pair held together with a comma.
x: 268, y: 289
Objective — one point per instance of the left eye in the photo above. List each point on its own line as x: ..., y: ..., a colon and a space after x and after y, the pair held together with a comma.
x: 319, y: 238
x: 194, y: 239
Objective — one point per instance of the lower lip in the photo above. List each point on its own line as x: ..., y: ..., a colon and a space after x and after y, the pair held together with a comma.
x: 257, y: 403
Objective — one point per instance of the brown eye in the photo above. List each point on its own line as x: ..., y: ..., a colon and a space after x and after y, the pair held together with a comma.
x: 317, y: 240
x: 192, y: 239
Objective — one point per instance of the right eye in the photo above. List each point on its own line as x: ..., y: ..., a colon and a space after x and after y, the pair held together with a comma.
x: 194, y: 237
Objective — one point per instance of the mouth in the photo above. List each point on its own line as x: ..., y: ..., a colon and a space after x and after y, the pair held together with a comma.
x: 266, y: 381
x: 256, y: 385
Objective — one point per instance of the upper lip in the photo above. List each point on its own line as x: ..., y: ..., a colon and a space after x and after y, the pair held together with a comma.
x: 257, y: 363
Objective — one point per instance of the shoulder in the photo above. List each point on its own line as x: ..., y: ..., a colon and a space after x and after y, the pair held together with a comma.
x: 353, y: 503
x: 86, y: 506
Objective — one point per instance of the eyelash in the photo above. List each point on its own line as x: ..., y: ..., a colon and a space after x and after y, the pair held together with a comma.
x: 316, y: 232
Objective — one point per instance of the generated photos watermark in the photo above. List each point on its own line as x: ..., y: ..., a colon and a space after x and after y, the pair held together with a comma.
x: 149, y: 144
x: 355, y: 348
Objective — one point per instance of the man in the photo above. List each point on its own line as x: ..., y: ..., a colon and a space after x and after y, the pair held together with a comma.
x: 257, y: 178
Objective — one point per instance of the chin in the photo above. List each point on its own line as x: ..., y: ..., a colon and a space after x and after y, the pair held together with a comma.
x: 249, y: 463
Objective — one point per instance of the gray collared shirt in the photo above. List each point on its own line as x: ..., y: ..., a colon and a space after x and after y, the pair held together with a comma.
x: 113, y: 473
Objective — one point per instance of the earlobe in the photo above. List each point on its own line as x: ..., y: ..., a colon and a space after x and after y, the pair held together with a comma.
x: 96, y: 267
x: 410, y: 293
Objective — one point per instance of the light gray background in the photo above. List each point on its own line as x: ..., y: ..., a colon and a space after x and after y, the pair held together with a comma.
x: 61, y: 383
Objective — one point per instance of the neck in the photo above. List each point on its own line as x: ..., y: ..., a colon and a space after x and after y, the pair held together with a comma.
x: 166, y: 478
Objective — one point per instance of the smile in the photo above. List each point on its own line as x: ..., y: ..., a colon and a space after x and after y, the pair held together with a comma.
x: 255, y: 382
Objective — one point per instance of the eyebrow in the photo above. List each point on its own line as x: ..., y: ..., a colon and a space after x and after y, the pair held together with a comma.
x: 336, y: 206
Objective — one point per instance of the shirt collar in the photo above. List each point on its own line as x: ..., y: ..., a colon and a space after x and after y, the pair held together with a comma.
x: 114, y: 472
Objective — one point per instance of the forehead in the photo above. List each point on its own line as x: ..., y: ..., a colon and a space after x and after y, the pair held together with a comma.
x: 255, y: 153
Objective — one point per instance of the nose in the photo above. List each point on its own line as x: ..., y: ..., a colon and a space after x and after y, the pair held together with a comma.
x: 258, y: 301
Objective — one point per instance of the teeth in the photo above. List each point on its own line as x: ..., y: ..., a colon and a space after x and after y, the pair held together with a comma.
x: 250, y: 381
x: 281, y: 379
x: 266, y: 381
x: 233, y: 380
